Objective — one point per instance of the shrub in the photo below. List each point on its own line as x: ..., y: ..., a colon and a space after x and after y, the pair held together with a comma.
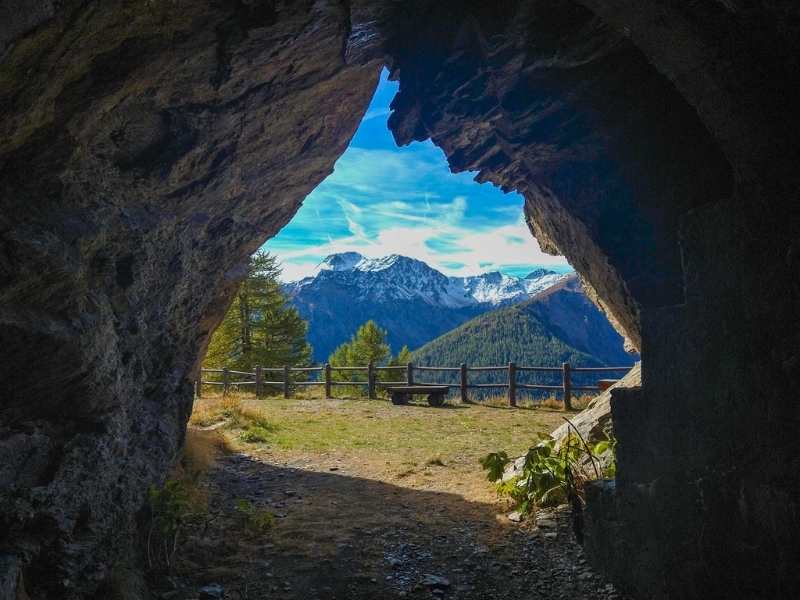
x: 182, y: 497
x: 169, y: 506
x: 254, y: 520
x: 254, y: 434
x: 551, y: 474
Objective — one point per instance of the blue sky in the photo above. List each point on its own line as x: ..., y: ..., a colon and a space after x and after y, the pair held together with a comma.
x: 383, y: 200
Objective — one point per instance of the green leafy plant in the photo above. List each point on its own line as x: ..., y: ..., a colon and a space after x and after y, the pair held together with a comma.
x: 511, y: 489
x: 607, y: 445
x: 254, y: 520
x: 551, y: 473
x: 495, y: 463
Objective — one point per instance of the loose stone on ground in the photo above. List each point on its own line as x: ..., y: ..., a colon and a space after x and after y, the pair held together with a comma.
x: 345, y: 537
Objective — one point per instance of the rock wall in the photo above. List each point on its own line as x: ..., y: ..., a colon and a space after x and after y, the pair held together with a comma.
x: 654, y: 144
x: 147, y: 147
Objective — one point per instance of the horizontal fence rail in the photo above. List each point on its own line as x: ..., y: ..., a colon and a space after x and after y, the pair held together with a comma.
x: 512, y: 384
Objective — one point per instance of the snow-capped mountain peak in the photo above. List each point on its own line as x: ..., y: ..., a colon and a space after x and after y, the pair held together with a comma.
x: 412, y: 300
x: 344, y: 261
x: 397, y: 277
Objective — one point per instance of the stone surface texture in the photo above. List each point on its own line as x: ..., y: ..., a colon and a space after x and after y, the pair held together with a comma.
x: 655, y: 145
x: 593, y: 422
x: 147, y: 147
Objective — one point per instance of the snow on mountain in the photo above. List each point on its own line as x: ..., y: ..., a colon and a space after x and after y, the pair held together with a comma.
x: 397, y: 277
x: 344, y: 261
x: 411, y: 300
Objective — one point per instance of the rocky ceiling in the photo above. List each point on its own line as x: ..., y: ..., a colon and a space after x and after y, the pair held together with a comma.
x: 146, y: 148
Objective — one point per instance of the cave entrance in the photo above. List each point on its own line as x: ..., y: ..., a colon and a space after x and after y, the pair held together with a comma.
x: 148, y: 150
x: 393, y: 238
x: 338, y: 471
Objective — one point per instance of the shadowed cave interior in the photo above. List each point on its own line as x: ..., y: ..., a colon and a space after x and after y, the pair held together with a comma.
x: 147, y: 149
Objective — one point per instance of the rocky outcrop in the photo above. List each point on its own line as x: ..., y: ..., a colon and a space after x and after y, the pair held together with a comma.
x: 147, y: 147
x: 537, y: 97
x: 654, y: 146
x: 595, y: 420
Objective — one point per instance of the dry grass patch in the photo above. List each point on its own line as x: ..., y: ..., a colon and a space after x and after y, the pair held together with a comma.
x: 551, y: 402
x: 234, y: 413
x: 201, y: 449
x: 415, y: 446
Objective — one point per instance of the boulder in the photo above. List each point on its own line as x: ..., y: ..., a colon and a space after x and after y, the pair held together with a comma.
x: 595, y: 420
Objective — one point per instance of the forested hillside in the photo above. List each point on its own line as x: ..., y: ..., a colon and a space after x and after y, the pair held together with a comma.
x: 556, y: 326
x: 412, y: 301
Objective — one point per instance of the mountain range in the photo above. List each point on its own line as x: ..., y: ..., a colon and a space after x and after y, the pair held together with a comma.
x: 560, y: 324
x: 414, y: 302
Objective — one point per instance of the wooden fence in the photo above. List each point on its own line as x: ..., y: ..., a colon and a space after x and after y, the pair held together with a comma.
x: 372, y: 383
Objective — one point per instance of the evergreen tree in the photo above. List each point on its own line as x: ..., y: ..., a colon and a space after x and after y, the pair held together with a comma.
x: 260, y: 327
x: 403, y: 357
x: 401, y: 360
x: 368, y: 344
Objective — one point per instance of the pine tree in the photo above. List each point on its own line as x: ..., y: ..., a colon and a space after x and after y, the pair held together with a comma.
x: 260, y: 327
x: 368, y: 344
x: 403, y: 357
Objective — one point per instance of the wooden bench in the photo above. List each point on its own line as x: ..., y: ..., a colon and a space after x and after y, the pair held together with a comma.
x: 401, y: 394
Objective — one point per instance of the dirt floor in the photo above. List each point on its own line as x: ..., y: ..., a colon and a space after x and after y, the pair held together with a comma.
x: 367, y: 500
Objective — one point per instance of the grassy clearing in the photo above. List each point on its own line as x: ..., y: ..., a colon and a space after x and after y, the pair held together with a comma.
x: 413, y: 446
x: 551, y: 402
x: 318, y: 478
x: 427, y: 434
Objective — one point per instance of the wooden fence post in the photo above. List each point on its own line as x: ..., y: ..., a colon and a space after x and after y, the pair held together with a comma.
x: 567, y: 384
x: 327, y: 380
x: 198, y: 386
x: 371, y: 380
x: 286, y: 381
x: 259, y: 381
x: 410, y: 374
x: 512, y: 384
x: 464, y: 383
x: 226, y: 376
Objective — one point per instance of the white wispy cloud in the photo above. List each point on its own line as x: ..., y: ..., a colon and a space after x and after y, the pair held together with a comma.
x: 383, y: 200
x: 507, y: 245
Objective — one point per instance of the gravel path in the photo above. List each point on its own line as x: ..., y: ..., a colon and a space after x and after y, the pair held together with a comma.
x: 341, y: 536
